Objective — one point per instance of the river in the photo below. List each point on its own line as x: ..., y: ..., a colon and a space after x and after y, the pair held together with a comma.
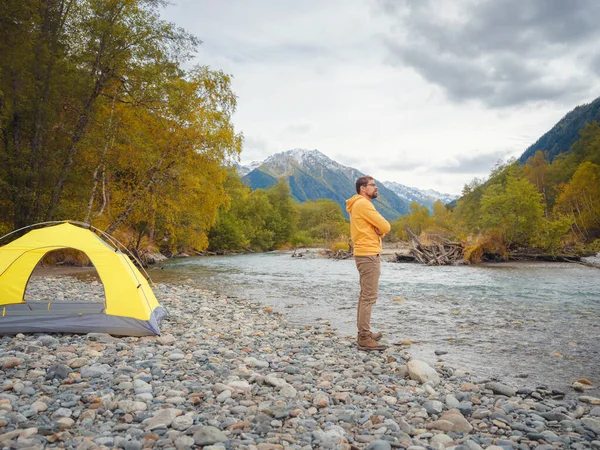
x: 531, y: 323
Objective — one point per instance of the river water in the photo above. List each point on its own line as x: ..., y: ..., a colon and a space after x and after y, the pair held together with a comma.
x: 531, y: 323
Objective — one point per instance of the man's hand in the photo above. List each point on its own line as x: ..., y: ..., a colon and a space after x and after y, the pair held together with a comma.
x: 377, y: 231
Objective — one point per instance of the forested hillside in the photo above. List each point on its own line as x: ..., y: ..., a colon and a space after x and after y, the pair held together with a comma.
x: 547, y: 206
x: 565, y: 133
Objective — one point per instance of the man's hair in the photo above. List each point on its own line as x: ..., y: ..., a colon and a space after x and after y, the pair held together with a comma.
x: 362, y: 181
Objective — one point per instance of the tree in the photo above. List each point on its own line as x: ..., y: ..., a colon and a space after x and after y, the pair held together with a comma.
x: 536, y: 170
x: 282, y: 219
x: 260, y: 210
x: 232, y: 230
x: 321, y: 221
x: 65, y: 64
x: 581, y: 198
x: 515, y: 209
x: 467, y: 211
x: 442, y: 217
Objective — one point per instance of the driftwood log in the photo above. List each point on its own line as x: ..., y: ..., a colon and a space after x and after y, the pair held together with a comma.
x: 403, y: 257
x: 340, y: 254
x: 441, y: 253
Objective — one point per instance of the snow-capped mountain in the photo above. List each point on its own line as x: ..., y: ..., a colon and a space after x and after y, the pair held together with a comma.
x: 244, y: 170
x: 280, y: 164
x: 312, y: 175
x: 424, y: 197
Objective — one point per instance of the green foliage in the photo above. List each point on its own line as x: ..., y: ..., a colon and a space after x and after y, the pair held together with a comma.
x: 282, y: 219
x: 441, y: 214
x: 595, y: 246
x: 340, y: 245
x: 302, y: 239
x: 467, y: 212
x: 417, y: 220
x: 322, y: 221
x: 516, y: 209
x: 230, y: 232
x: 552, y: 234
x: 259, y: 220
x: 268, y: 219
x: 261, y: 236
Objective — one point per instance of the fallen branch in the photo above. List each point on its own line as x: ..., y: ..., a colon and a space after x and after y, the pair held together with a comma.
x: 439, y: 253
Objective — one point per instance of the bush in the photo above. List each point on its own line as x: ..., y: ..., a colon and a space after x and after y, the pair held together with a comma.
x: 595, y: 246
x: 551, y: 237
x: 340, y: 245
x: 485, y: 245
x: 302, y: 239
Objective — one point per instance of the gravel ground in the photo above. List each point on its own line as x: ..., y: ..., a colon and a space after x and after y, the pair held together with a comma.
x: 226, y: 373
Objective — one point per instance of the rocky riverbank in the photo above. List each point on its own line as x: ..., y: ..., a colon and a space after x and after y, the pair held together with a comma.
x: 230, y: 374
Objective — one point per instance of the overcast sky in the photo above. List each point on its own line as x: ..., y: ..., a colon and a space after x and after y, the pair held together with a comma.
x: 426, y: 93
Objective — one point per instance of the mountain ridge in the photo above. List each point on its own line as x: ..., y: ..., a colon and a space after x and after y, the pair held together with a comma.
x: 565, y: 132
x: 312, y: 175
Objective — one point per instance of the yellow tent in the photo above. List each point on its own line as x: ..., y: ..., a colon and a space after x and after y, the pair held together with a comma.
x: 130, y: 307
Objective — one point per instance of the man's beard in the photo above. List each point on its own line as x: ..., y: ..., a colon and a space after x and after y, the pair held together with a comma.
x: 375, y: 195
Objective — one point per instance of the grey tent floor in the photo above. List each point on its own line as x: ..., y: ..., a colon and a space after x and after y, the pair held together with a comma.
x: 60, y: 307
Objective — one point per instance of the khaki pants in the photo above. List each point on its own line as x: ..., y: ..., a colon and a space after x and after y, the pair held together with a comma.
x: 369, y: 269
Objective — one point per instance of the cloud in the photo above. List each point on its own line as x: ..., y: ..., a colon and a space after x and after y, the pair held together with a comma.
x: 500, y: 53
x: 254, y: 149
x: 257, y: 143
x: 595, y: 64
x: 402, y: 166
x: 420, y: 92
x: 471, y: 164
x: 299, y: 129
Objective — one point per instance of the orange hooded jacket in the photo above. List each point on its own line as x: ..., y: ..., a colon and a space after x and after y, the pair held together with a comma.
x: 364, y: 218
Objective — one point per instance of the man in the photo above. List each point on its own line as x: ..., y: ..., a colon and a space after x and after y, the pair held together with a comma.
x: 367, y: 227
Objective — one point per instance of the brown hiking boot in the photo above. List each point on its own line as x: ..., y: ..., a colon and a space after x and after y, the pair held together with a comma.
x: 367, y: 344
x: 376, y: 336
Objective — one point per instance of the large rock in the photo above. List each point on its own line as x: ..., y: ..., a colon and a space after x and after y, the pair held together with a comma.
x: 163, y: 417
x: 94, y: 371
x: 590, y: 400
x: 208, y: 436
x: 379, y: 445
x: 433, y: 407
x: 443, y: 425
x: 592, y: 423
x: 132, y: 406
x: 9, y: 362
x: 100, y: 337
x: 422, y: 372
x: 182, y: 423
x: 274, y: 381
x: 58, y: 371
x: 501, y: 389
x: 333, y: 438
x: 461, y: 424
x: 320, y: 400
x: 240, y: 386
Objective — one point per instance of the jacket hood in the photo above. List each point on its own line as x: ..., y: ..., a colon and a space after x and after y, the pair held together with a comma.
x: 352, y: 201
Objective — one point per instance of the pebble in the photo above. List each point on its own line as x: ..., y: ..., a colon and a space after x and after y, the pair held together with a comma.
x: 226, y: 374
